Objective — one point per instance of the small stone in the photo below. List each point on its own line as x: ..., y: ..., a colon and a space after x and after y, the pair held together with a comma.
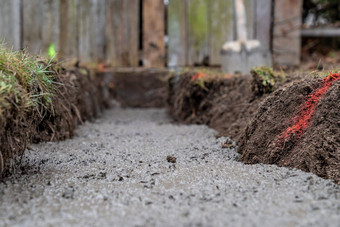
x: 68, y: 193
x: 228, y: 144
x: 171, y: 159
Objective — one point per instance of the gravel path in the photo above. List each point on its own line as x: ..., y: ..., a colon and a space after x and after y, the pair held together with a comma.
x: 115, y: 172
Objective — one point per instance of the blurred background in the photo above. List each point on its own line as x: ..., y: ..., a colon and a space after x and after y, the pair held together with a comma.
x: 158, y: 33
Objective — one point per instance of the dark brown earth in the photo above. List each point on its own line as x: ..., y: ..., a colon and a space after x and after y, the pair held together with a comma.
x: 255, y: 119
x: 140, y: 87
x: 77, y: 98
x: 80, y: 95
x: 233, y: 105
x: 317, y: 151
x: 225, y: 103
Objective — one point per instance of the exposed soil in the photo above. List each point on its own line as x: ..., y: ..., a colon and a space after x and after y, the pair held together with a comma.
x: 256, y: 118
x: 140, y: 87
x: 225, y: 103
x: 317, y: 146
x: 80, y: 95
x: 76, y: 99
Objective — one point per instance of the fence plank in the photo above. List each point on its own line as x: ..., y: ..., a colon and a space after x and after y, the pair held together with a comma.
x: 68, y: 30
x: 198, y: 31
x: 177, y: 33
x: 40, y: 25
x: 32, y: 25
x: 10, y: 26
x: 263, y: 22
x: 221, y: 27
x: 122, y: 32
x: 100, y: 30
x: 86, y: 30
x: 91, y: 31
x: 153, y: 33
x: 287, y: 32
x: 50, y: 27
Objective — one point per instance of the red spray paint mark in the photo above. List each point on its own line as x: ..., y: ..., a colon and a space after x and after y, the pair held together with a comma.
x: 228, y: 76
x: 303, y: 119
x: 101, y: 67
x: 197, y: 76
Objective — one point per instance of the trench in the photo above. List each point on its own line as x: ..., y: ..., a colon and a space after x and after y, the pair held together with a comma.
x: 117, y: 171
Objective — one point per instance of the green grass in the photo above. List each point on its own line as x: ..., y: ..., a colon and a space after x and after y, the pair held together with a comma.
x: 268, y: 75
x: 26, y: 81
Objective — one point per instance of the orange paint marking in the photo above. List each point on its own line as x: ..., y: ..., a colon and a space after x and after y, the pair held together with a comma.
x: 198, y: 76
x: 304, y: 117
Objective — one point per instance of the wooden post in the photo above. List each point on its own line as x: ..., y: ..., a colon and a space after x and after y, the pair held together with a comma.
x: 10, y: 25
x: 177, y: 33
x: 68, y: 30
x: 40, y: 25
x: 91, y: 21
x: 122, y: 32
x: 287, y: 32
x: 153, y: 33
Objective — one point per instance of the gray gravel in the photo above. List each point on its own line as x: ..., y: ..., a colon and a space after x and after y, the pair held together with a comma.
x: 115, y: 172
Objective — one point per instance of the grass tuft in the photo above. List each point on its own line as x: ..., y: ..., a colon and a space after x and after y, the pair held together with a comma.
x: 26, y: 81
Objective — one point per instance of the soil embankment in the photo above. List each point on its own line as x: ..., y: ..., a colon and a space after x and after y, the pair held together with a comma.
x: 74, y: 99
x: 224, y: 102
x: 78, y: 95
x: 298, y: 126
x: 240, y: 108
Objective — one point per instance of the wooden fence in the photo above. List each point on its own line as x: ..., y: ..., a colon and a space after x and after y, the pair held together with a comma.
x: 123, y: 32
x: 198, y: 28
x: 88, y: 30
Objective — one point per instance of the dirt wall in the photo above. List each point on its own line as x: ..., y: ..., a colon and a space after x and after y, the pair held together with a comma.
x: 296, y: 125
x: 225, y: 103
x: 292, y: 128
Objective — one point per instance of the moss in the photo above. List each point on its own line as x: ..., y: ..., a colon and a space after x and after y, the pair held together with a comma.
x: 264, y: 79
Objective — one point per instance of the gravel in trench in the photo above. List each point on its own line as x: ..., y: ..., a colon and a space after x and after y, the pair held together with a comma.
x: 133, y: 167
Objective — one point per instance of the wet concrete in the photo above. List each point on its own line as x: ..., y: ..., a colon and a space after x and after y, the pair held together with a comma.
x: 116, y: 172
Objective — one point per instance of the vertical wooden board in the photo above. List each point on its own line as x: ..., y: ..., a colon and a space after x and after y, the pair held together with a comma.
x: 50, y: 27
x: 221, y: 27
x: 86, y: 30
x: 287, y: 32
x: 250, y: 14
x: 198, y: 31
x: 32, y: 26
x: 263, y: 22
x: 177, y: 33
x: 68, y: 30
x: 10, y: 26
x: 153, y: 33
x: 40, y: 25
x: 122, y: 32
x: 100, y: 25
x: 112, y: 31
x: 91, y: 25
x: 132, y: 34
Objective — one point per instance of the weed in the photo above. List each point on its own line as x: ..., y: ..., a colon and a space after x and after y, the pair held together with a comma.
x: 198, y: 79
x: 52, y: 53
x: 264, y: 79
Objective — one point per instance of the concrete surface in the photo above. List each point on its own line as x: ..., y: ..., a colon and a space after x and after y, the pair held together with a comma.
x: 115, y: 173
